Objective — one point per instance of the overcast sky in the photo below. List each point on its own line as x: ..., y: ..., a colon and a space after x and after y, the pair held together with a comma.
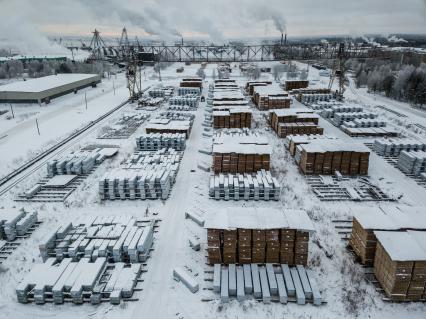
x: 213, y: 18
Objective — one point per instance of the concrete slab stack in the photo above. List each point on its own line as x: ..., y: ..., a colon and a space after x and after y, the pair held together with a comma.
x: 16, y: 223
x: 156, y: 141
x: 412, y: 162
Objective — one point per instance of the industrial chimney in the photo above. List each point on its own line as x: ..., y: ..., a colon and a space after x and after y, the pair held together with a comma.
x: 285, y: 39
x: 282, y: 38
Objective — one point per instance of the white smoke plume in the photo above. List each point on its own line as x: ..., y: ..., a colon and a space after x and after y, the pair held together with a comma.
x: 395, y: 39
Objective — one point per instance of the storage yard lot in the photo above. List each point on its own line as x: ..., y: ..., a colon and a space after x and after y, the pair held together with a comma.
x: 300, y: 229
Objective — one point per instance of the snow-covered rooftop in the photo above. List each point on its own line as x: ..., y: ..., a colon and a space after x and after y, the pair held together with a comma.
x: 403, y: 246
x: 45, y: 83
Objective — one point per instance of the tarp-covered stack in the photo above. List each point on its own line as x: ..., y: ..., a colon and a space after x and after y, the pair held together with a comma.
x: 327, y: 156
x: 258, y: 235
x: 295, y: 84
x: 295, y: 122
x: 366, y: 221
x: 400, y: 264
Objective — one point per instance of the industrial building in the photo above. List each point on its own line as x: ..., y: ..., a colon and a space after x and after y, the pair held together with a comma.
x: 46, y: 88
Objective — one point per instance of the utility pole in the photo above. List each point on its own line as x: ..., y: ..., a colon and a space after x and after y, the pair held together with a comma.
x: 113, y: 86
x: 11, y: 109
x: 85, y: 98
x: 38, y: 129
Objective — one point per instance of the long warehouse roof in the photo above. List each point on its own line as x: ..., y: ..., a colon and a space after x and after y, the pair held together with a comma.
x: 45, y: 83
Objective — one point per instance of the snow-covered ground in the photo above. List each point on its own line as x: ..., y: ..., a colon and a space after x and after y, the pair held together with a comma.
x: 347, y: 294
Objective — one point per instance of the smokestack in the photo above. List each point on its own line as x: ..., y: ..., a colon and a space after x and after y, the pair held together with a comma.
x: 182, y: 41
x: 282, y: 38
x: 285, y: 39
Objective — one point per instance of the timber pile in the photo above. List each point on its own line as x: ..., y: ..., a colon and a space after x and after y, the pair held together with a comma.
x: 252, y: 84
x: 231, y: 117
x: 295, y: 84
x: 394, y: 147
x: 292, y: 141
x: 118, y: 238
x: 258, y: 235
x: 256, y: 186
x: 79, y: 162
x: 365, y: 223
x: 192, y: 83
x: 400, y: 264
x: 156, y: 141
x: 16, y: 223
x: 326, y: 157
x: 270, y: 97
x: 412, y: 162
x: 169, y: 126
x: 295, y: 122
x: 242, y: 154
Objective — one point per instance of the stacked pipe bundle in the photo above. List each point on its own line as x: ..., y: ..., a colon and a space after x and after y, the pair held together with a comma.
x: 78, y: 163
x: 294, y: 122
x: 156, y: 141
x: 235, y: 236
x: 242, y: 154
x: 327, y: 156
x: 16, y: 223
x: 157, y: 93
x: 257, y: 186
x: 412, y: 162
x: 185, y: 100
x: 231, y: 117
x: 394, y: 147
x: 295, y: 84
x: 340, y: 118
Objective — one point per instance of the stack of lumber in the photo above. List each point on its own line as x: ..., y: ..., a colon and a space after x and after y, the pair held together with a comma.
x: 258, y: 235
x: 15, y: 223
x: 400, y: 264
x: 231, y: 117
x: 257, y: 186
x: 80, y: 162
x: 370, y: 131
x: 225, y: 83
x: 270, y: 282
x: 169, y: 126
x: 327, y: 156
x: 412, y: 162
x: 270, y: 97
x: 186, y: 100
x: 295, y: 84
x: 340, y: 118
x: 252, y: 84
x: 367, y: 220
x: 183, y: 91
x: 67, y: 280
x: 292, y: 141
x: 119, y: 238
x: 191, y: 83
x: 295, y: 122
x: 156, y: 141
x: 394, y: 147
x: 241, y: 155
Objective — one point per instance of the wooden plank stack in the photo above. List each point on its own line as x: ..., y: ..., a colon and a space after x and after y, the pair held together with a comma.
x: 252, y: 84
x: 363, y: 240
x: 231, y: 118
x: 270, y: 97
x: 295, y: 84
x: 192, y: 82
x: 283, y: 238
x: 400, y: 264
x: 295, y: 122
x: 326, y: 157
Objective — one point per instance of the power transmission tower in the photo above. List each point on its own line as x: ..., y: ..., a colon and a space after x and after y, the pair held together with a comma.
x: 339, y: 70
x: 124, y: 44
x: 134, y: 79
x: 97, y: 46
